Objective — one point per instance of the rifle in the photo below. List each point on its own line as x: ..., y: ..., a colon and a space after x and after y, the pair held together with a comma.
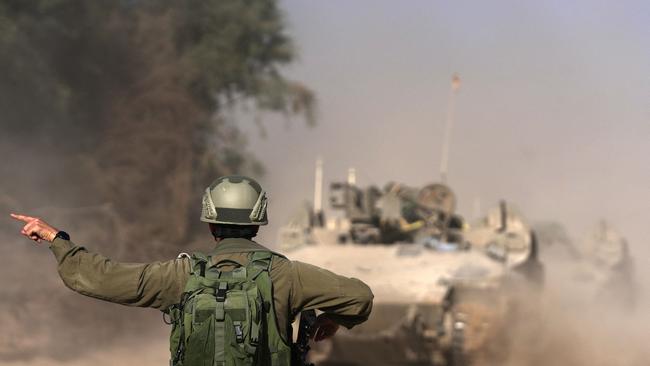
x: 301, y: 347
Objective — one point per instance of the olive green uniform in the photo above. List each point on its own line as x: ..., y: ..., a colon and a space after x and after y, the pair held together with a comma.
x: 297, y: 286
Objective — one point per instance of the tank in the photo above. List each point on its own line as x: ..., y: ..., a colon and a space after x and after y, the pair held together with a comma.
x: 445, y: 291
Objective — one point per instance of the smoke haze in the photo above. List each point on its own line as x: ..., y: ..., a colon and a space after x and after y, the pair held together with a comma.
x: 552, y: 115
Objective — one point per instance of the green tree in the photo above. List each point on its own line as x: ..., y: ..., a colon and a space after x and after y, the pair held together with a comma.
x: 137, y: 89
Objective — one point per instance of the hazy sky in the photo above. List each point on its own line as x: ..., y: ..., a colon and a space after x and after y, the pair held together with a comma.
x: 553, y: 113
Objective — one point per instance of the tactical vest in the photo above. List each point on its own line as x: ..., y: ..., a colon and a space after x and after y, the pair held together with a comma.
x: 227, y: 318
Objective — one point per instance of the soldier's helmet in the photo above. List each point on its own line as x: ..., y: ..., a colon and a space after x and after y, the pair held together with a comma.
x: 234, y: 200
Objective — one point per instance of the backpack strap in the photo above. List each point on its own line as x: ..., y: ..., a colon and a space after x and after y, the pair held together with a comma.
x: 199, y: 262
x: 260, y: 261
x: 262, y: 258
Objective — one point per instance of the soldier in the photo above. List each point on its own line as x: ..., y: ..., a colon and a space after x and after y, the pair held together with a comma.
x: 232, y: 306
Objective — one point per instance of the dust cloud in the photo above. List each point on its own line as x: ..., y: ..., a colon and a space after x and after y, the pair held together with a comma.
x: 575, y: 328
x: 577, y: 156
x: 552, y: 116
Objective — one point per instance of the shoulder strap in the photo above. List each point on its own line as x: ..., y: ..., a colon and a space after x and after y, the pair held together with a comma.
x: 260, y: 261
x: 199, y: 262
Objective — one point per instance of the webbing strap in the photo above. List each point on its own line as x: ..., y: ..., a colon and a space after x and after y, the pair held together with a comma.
x: 239, y: 331
x: 255, y: 333
x: 256, y: 321
x: 262, y: 259
x: 251, y: 348
x: 219, y: 311
x: 221, y: 291
x: 220, y: 326
x: 239, y: 274
x: 220, y: 343
x: 260, y: 262
x: 199, y: 261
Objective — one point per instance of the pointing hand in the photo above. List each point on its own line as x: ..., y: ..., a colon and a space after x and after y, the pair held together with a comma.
x: 36, y: 229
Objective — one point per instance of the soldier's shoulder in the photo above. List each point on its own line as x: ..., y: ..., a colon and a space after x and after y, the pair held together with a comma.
x: 280, y: 260
x: 281, y: 266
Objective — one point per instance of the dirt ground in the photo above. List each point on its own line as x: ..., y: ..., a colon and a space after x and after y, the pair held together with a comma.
x: 134, y: 353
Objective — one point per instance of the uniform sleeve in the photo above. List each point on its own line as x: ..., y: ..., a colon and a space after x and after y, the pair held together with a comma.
x: 157, y: 285
x: 347, y: 300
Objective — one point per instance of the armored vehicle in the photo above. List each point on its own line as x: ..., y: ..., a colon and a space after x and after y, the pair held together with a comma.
x: 600, y: 266
x: 611, y: 266
x: 444, y: 290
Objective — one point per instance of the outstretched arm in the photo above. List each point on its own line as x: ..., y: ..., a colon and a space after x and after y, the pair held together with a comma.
x: 156, y: 285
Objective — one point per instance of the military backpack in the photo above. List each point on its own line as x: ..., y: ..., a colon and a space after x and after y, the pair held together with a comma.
x: 227, y: 318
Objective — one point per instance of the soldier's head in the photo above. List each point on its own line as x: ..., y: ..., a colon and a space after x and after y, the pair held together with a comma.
x: 235, y: 207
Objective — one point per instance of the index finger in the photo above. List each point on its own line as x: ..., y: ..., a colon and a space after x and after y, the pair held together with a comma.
x: 24, y: 218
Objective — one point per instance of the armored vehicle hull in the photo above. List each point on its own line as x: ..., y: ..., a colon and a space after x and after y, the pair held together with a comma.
x: 445, y: 291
